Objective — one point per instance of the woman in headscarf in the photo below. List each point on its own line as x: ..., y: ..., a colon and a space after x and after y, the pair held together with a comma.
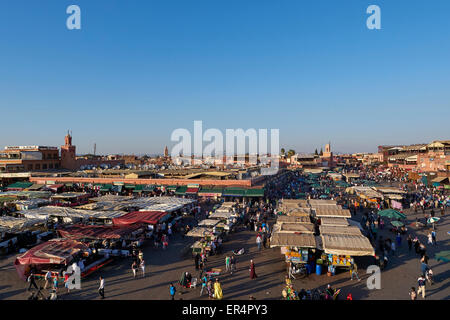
x: 218, y: 290
x: 252, y: 270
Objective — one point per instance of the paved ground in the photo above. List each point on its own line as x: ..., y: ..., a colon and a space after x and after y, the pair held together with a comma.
x: 165, y: 267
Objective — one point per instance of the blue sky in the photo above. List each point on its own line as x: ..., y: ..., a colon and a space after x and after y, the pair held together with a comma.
x: 139, y: 69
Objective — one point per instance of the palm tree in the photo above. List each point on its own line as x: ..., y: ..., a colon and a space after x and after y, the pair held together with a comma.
x: 291, y: 153
x: 283, y: 151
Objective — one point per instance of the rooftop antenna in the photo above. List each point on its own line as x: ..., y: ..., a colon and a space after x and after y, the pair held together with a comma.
x: 95, y: 148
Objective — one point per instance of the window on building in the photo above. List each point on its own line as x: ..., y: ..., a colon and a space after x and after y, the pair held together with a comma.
x: 44, y: 166
x: 30, y: 167
x: 50, y: 166
x: 56, y: 166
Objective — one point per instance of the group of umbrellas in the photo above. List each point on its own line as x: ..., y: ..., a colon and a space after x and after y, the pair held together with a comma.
x: 394, y: 214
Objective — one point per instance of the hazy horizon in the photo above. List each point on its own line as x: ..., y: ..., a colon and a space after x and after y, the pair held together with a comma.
x: 136, y: 71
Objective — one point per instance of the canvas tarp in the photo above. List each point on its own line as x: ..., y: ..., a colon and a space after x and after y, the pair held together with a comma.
x: 98, y: 232
x: 299, y: 213
x: 336, y: 213
x: 342, y: 230
x: 146, y: 202
x: 351, y: 245
x: 18, y: 224
x: 331, y: 221
x: 293, y: 240
x: 69, y: 195
x: 166, y: 207
x: 104, y: 206
x: 56, y: 251
x: 110, y: 198
x: 67, y: 212
x: 316, y: 202
x: 208, y: 222
x: 221, y: 215
x: 148, y: 217
x: 293, y: 228
x: 291, y: 219
x: 200, y: 232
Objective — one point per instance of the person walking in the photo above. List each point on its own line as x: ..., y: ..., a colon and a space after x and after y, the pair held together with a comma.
x: 142, y: 266
x: 410, y: 243
x: 252, y: 270
x: 32, y: 280
x: 233, y: 264
x: 354, y: 271
x: 165, y: 241
x: 210, y: 289
x: 204, y: 284
x: 413, y: 294
x: 421, y: 282
x: 197, y: 261
x: 258, y: 241
x: 134, y: 267
x: 227, y: 263
x: 172, y: 291
x: 101, y: 288
x: 424, y: 267
x: 430, y: 238
x: 55, y: 283
x: 264, y: 240
x: 433, y: 237
x: 218, y: 294
x: 393, y: 248
x: 429, y: 276
x: 398, y: 239
x: 48, y: 279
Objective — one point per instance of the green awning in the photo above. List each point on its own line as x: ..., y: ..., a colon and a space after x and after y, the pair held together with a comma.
x: 130, y: 186
x: 254, y: 192
x: 149, y: 188
x: 105, y: 187
x: 20, y: 185
x: 233, y: 192
x: 181, y: 190
x: 171, y: 188
x: 211, y: 191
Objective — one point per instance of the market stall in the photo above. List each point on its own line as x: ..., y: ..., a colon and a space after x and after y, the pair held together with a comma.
x: 340, y: 230
x: 301, y: 228
x: 332, y: 213
x: 293, y: 219
x: 146, y: 217
x: 332, y: 221
x: 340, y: 249
x: 210, y: 223
x: 53, y: 255
x: 70, y: 199
x: 298, y: 249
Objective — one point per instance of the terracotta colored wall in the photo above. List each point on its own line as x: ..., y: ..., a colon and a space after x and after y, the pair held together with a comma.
x: 438, y: 163
x: 181, y: 182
